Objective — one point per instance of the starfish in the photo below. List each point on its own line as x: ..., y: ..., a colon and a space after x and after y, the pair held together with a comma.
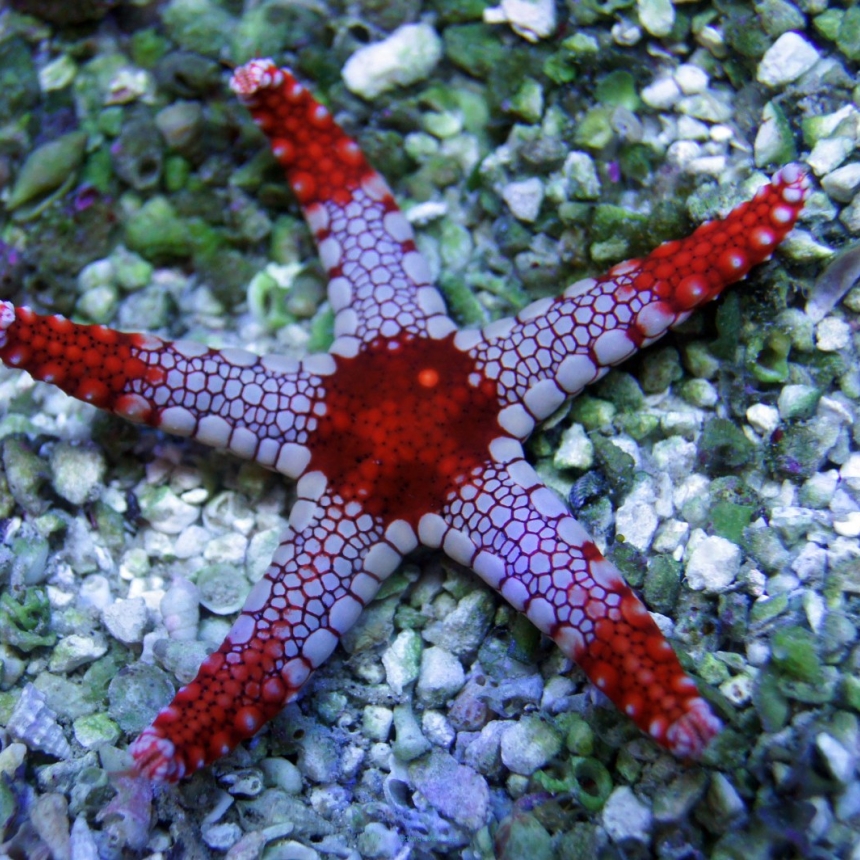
x: 406, y: 433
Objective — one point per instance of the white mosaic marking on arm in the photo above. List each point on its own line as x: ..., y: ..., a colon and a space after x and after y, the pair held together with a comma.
x: 379, y: 283
x: 229, y: 399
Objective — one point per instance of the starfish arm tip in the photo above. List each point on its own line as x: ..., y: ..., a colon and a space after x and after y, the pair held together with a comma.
x: 156, y: 758
x: 691, y: 733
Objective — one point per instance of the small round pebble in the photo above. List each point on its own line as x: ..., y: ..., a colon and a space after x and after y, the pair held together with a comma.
x: 136, y: 694
x: 222, y: 588
x: 797, y: 401
x: 220, y: 837
x: 165, y: 511
x: 691, y: 79
x: 662, y: 94
x: 437, y: 729
x: 376, y: 722
x: 738, y: 690
x: 657, y: 17
x: 283, y: 774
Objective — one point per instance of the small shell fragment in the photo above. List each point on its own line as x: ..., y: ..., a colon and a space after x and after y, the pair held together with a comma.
x: 82, y: 842
x: 35, y: 724
x: 180, y: 609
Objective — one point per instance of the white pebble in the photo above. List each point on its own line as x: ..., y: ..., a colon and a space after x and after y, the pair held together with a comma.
x: 828, y: 154
x: 848, y: 525
x: 832, y: 334
x: 843, y: 183
x: 626, y: 818
x: 408, y: 55
x: 656, y: 16
x: 662, y: 94
x: 126, y: 620
x: 762, y: 418
x: 691, y: 79
x: 849, y: 472
x: 531, y: 19
x: 637, y: 521
x: 524, y: 198
x: 786, y: 60
x: 713, y: 564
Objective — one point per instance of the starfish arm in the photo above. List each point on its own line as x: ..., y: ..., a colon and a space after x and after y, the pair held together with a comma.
x: 555, y: 347
x: 379, y: 284
x: 520, y: 539
x: 328, y: 567
x: 258, y: 408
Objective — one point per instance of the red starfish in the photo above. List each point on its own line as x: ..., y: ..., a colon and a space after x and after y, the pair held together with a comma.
x: 408, y: 432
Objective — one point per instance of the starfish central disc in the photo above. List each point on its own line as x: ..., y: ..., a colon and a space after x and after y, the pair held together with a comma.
x: 406, y: 421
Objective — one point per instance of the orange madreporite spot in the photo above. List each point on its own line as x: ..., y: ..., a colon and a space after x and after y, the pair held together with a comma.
x: 403, y: 426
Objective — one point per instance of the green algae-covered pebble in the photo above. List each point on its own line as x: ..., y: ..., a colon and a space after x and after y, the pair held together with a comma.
x: 819, y: 691
x: 19, y: 82
x: 402, y: 660
x: 199, y: 25
x: 662, y: 583
x: 591, y: 783
x: 580, y: 737
x: 848, y: 35
x: 136, y: 695
x: 618, y: 465
x: 618, y: 89
x: 25, y: 474
x: 409, y: 741
x: 95, y: 730
x: 157, y: 233
x: 769, y: 702
x: 131, y: 271
x: 795, y: 654
x: 764, y: 610
x: 181, y: 125
x: 767, y: 355
x: 138, y: 152
x: 774, y: 143
x: 723, y: 447
x: 660, y: 368
x: 729, y: 519
x: 222, y: 589
x: 48, y: 168
x: 522, y: 835
x: 474, y: 48
x: 77, y: 472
